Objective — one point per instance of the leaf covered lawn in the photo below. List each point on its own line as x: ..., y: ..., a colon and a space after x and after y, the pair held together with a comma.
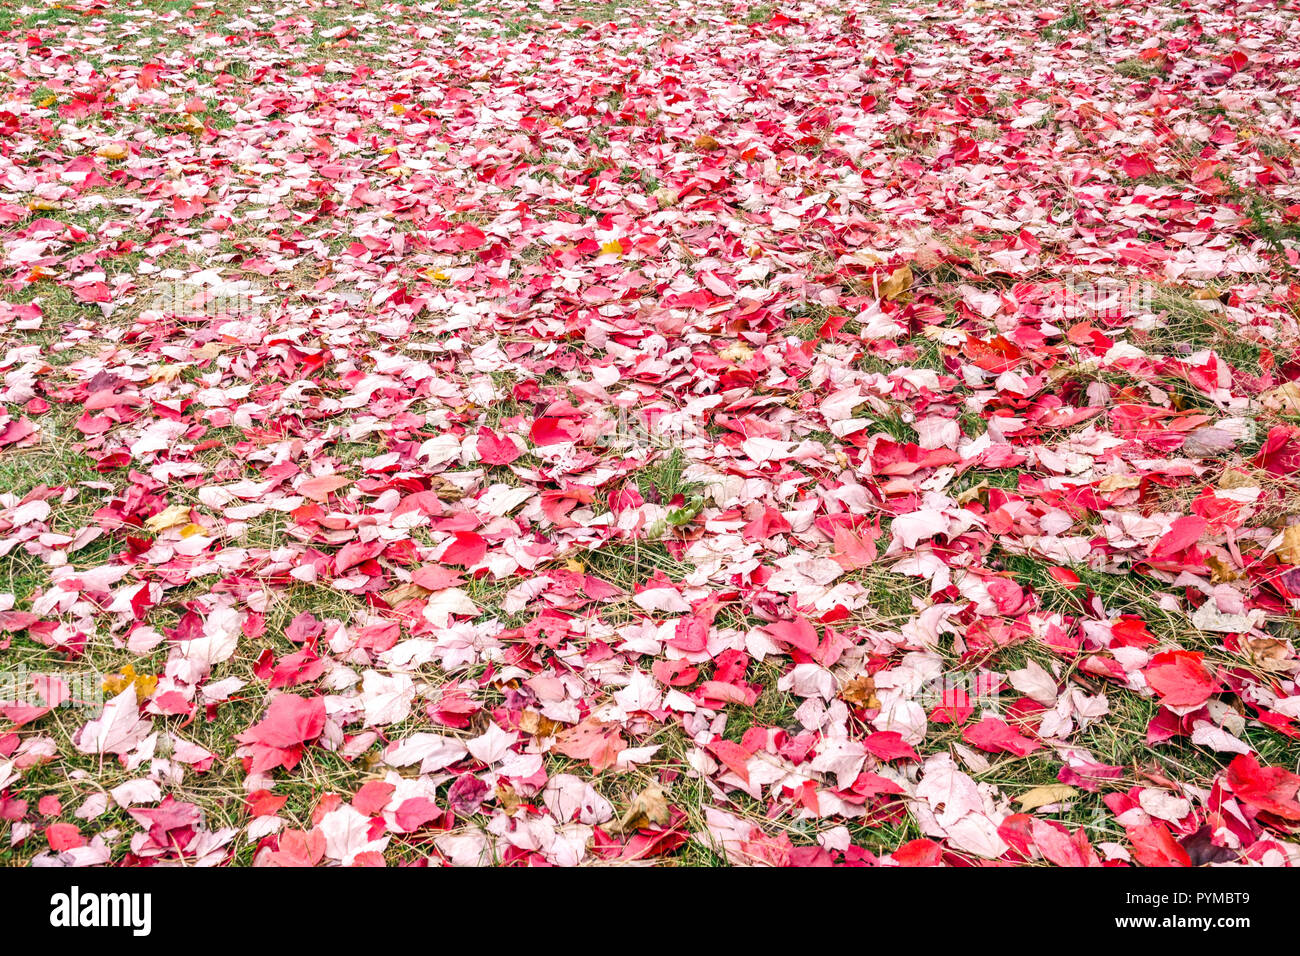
x: 671, y: 431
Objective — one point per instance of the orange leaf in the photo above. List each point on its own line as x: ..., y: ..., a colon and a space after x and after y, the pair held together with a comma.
x: 318, y: 489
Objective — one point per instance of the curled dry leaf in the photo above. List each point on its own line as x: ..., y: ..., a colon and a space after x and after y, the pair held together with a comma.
x: 861, y: 692
x: 650, y: 806
x: 1045, y: 796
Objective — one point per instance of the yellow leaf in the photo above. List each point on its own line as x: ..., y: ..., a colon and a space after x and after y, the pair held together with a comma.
x: 398, y: 109
x: 42, y: 205
x: 1043, y: 796
x: 169, y: 517
x: 574, y: 565
x: 192, y: 529
x: 114, y: 151
x: 114, y: 684
x: 611, y: 248
x: 145, y: 684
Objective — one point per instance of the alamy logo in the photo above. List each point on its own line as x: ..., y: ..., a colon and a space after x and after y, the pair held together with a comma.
x: 76, y: 909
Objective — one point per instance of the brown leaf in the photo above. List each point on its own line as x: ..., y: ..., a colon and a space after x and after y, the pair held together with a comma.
x: 209, y: 350
x: 897, y: 285
x: 1285, y: 399
x: 973, y: 492
x: 445, y: 490
x: 509, y: 799
x: 706, y: 142
x: 167, y: 373
x: 1220, y: 570
x: 407, y: 591
x: 862, y: 258
x: 650, y: 806
x: 532, y: 722
x: 929, y: 256
x: 861, y: 691
x: 1270, y: 654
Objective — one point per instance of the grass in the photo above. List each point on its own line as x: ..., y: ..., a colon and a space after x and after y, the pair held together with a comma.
x: 774, y: 707
x: 1136, y: 68
x: 628, y: 564
x: 662, y: 480
x: 1186, y: 326
x: 1074, y: 19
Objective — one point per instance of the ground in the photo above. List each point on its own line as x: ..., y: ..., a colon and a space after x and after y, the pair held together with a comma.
x: 673, y: 433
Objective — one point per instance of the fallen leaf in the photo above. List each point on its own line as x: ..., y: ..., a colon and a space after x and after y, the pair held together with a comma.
x: 860, y: 691
x: 650, y: 806
x: 1045, y: 796
x: 169, y: 517
x: 1289, y: 550
x: 897, y: 284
